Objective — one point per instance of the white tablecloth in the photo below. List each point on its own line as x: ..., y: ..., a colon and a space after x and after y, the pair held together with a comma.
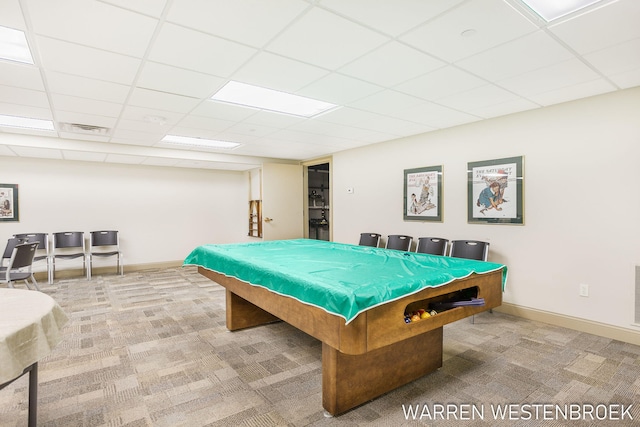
x: 30, y: 327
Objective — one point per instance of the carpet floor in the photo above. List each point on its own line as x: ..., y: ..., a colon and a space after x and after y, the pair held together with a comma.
x: 151, y: 348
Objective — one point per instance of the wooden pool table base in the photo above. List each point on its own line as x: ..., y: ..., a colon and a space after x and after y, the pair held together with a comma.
x: 376, y: 352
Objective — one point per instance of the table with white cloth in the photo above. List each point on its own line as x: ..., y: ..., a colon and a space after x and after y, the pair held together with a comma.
x: 30, y: 327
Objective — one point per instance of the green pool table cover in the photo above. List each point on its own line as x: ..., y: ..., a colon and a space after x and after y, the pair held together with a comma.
x: 342, y: 279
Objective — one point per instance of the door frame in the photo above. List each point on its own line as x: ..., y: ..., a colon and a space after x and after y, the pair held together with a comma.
x: 305, y: 191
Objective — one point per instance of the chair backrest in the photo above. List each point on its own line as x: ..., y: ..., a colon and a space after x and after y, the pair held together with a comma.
x: 68, y: 239
x: 12, y: 242
x: 22, y: 255
x: 41, y: 238
x: 470, y: 249
x: 432, y: 245
x: 369, y: 239
x: 399, y: 242
x: 104, y: 238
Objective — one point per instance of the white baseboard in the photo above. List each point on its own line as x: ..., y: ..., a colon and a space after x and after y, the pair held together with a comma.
x: 608, y: 331
x: 41, y: 276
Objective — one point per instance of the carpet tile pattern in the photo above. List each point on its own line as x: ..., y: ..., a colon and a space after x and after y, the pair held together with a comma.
x: 151, y: 349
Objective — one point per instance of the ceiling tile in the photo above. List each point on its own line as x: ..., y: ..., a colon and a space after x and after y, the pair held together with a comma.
x: 183, y: 48
x: 550, y: 78
x: 147, y: 98
x: 41, y: 153
x: 67, y: 84
x: 628, y: 79
x: 483, y: 96
x: 435, y: 116
x: 94, y: 24
x: 252, y: 22
x: 125, y: 159
x: 142, y: 114
x: 440, y: 83
x: 407, y: 63
x: 223, y: 111
x: 617, y: 59
x: 84, y: 61
x: 148, y: 7
x: 204, y: 123
x: 326, y: 40
x: 386, y: 102
x: 11, y: 15
x: 502, y: 109
x: 21, y: 75
x: 135, y: 137
x: 14, y: 95
x: 25, y: 111
x: 494, y: 23
x: 339, y: 89
x: 391, y: 17
x: 80, y: 105
x: 278, y: 73
x: 519, y: 56
x: 569, y: 93
x: 83, y: 156
x: 165, y: 78
x: 615, y: 23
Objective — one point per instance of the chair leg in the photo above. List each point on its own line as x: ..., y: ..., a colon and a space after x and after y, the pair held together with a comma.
x: 35, y: 283
x: 89, y: 267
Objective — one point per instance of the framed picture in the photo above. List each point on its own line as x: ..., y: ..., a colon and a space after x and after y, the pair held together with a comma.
x: 9, y: 202
x: 423, y: 194
x: 495, y: 191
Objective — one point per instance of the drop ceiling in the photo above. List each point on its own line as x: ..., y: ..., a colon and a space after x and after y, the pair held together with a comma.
x: 144, y: 69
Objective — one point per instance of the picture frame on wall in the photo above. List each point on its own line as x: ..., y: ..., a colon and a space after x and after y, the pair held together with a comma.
x: 495, y: 191
x: 9, y: 203
x: 423, y: 194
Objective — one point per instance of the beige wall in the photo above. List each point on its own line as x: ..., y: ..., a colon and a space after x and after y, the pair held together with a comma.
x: 161, y: 213
x: 582, y: 207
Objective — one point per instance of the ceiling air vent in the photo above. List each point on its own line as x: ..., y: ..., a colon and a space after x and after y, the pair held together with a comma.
x: 84, y: 129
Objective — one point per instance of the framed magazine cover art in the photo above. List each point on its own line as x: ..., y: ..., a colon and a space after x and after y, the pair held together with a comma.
x: 9, y: 202
x: 423, y: 194
x: 495, y: 191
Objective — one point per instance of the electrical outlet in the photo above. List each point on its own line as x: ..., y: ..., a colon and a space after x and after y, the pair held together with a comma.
x: 584, y: 290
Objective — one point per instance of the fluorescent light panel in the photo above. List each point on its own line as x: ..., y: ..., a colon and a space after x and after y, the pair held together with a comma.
x: 13, y: 46
x: 554, y: 9
x: 25, y: 123
x: 271, y: 100
x: 199, y: 142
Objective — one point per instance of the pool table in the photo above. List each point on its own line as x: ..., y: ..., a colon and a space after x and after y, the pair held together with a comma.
x: 376, y: 351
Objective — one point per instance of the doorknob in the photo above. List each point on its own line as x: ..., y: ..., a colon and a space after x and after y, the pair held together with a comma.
x: 267, y: 219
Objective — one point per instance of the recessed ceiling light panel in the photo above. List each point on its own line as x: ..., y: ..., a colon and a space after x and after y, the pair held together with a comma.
x: 25, y: 123
x: 199, y: 142
x: 14, y: 46
x: 550, y: 10
x: 272, y: 100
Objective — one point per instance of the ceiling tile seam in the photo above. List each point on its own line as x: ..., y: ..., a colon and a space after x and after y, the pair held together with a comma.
x: 137, y: 12
x: 581, y: 57
x: 37, y: 59
x: 258, y: 50
x: 134, y: 84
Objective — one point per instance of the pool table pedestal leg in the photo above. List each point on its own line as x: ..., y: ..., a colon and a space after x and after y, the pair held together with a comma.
x: 243, y: 314
x: 351, y: 380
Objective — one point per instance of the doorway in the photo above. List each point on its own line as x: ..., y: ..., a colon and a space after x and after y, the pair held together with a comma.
x: 318, y: 201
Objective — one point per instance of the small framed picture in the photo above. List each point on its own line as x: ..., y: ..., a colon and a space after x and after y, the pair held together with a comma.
x: 423, y: 194
x: 9, y: 202
x: 495, y: 191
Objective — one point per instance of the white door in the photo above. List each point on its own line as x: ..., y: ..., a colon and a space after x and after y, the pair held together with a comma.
x: 282, y: 201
